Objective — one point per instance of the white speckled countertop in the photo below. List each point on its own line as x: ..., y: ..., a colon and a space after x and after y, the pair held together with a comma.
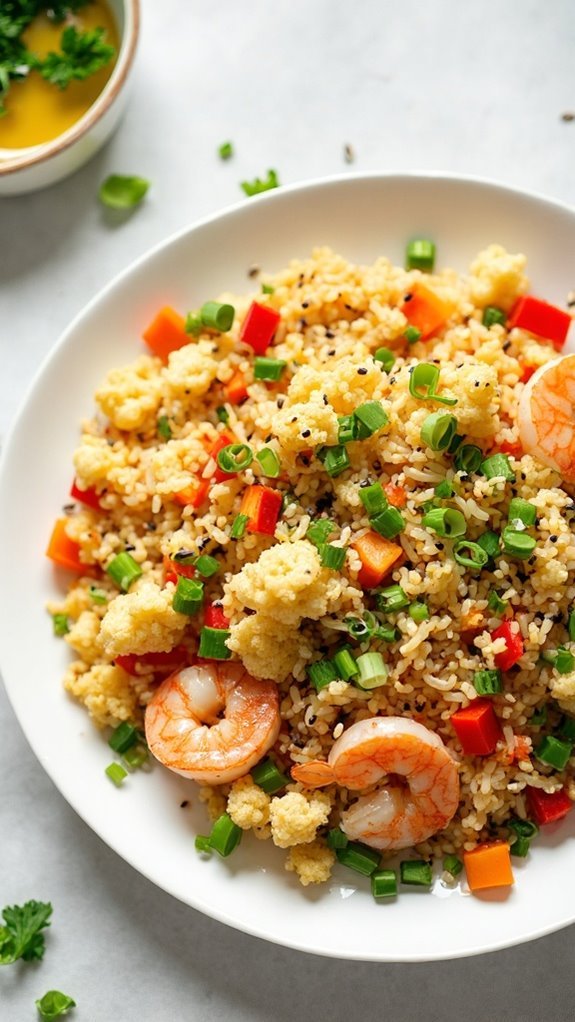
x: 470, y: 88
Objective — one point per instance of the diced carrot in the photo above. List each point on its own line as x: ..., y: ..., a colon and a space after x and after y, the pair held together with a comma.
x: 166, y: 332
x: 424, y: 309
x: 507, y: 447
x: 235, y: 390
x: 63, y: 550
x: 262, y: 506
x: 377, y: 555
x: 396, y: 495
x: 89, y: 497
x: 489, y: 865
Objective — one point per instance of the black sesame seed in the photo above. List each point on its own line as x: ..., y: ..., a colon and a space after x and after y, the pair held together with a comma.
x: 305, y: 305
x: 253, y: 271
x: 330, y: 334
x: 129, y: 547
x: 151, y: 526
x: 312, y: 720
x: 331, y: 352
x: 184, y: 804
x: 305, y: 433
x: 325, y: 400
x: 553, y: 539
x: 280, y: 402
x: 408, y: 297
x: 362, y: 371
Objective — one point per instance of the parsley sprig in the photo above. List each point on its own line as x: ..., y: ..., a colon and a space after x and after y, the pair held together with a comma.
x: 21, y: 935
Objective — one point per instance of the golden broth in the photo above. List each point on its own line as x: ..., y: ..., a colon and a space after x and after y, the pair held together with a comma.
x: 38, y: 111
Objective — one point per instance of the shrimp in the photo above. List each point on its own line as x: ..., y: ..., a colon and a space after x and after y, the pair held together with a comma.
x: 212, y: 722
x: 546, y: 416
x: 394, y: 816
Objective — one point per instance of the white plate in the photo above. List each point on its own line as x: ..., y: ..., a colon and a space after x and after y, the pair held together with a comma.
x: 361, y: 217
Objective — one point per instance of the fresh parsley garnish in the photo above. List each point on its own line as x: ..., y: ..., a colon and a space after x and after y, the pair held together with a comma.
x: 121, y: 191
x: 257, y: 185
x: 83, y: 53
x: 54, y: 1005
x: 226, y: 151
x: 21, y: 935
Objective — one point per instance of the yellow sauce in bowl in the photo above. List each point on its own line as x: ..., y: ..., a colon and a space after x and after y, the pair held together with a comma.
x: 36, y: 110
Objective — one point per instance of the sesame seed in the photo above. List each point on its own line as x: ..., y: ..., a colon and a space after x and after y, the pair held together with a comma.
x: 362, y: 371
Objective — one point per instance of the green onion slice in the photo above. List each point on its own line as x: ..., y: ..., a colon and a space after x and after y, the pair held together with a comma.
x: 337, y: 839
x: 217, y: 316
x: 468, y: 458
x: 207, y: 566
x: 372, y: 416
x: 470, y: 555
x: 335, y: 459
x: 498, y: 465
x: 269, y: 462
x: 373, y: 498
x: 235, y: 458
x: 438, y: 429
x: 163, y: 427
x: 384, y: 883
x: 267, y: 776
x: 418, y: 612
x: 225, y: 835
x: 487, y: 683
x: 239, y: 526
x: 213, y: 643
x: 318, y: 531
x: 123, y: 737
x: 321, y: 673
x: 493, y: 315
x: 124, y: 570
x: 116, y: 773
x: 60, y: 625
x: 359, y: 857
x: 345, y: 664
x: 268, y: 368
x: 332, y: 556
x: 447, y: 522
x: 554, y: 752
x: 517, y: 544
x: 372, y: 671
x: 391, y: 599
x: 420, y: 255
x: 423, y: 382
x: 189, y: 596
x: 388, y: 523
x: 416, y: 872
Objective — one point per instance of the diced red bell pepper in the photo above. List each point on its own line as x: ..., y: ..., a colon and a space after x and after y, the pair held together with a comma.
x: 259, y: 327
x: 527, y: 373
x: 175, y: 568
x: 262, y: 505
x: 198, y: 491
x: 477, y: 728
x: 513, y: 652
x: 161, y: 663
x: 88, y: 497
x: 546, y: 807
x: 542, y: 319
x: 214, y: 617
x: 424, y: 310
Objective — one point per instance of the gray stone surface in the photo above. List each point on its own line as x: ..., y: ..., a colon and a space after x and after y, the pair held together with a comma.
x: 470, y: 88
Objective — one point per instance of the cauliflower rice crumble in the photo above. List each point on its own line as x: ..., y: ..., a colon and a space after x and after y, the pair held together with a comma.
x: 285, y: 608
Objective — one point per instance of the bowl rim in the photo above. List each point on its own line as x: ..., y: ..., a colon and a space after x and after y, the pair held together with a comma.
x: 30, y: 156
x: 536, y: 930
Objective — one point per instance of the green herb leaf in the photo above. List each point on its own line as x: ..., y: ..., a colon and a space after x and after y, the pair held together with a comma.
x: 226, y: 151
x: 82, y: 54
x: 257, y: 185
x: 123, y: 191
x: 20, y: 937
x: 54, y: 1005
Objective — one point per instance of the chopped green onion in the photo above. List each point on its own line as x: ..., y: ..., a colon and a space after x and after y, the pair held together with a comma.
x: 225, y: 151
x: 444, y: 490
x: 416, y: 872
x: 470, y: 555
x: 120, y: 191
x: 124, y: 570
x: 388, y: 523
x: 213, y: 643
x: 521, y: 513
x: 347, y: 431
x: 455, y: 444
x: 258, y: 185
x: 418, y: 612
x: 321, y: 673
x: 566, y: 728
x: 235, y: 458
x: 386, y: 357
x: 189, y: 596
x: 268, y: 368
x: 337, y: 839
x: 359, y: 857
x: 391, y: 599
x: 372, y: 416
x: 554, y: 752
x: 186, y: 557
x: 163, y: 427
x: 497, y: 466
x: 267, y: 289
x: 358, y: 628
x: 493, y: 315
x: 217, y: 316
x: 562, y: 659
x: 420, y: 255
x: 239, y: 526
x: 207, y: 566
x: 318, y: 531
x: 345, y: 664
x: 384, y: 883
x: 468, y: 458
x: 332, y: 556
x: 116, y: 773
x: 53, y: 1005
x: 517, y: 544
x: 267, y: 776
x: 520, y: 847
x: 452, y: 864
x: 447, y: 522
x: 269, y: 462
x: 193, y: 324
x: 223, y: 414
x: 386, y: 632
x: 524, y: 828
x: 373, y: 498
x: 571, y: 625
x: 335, y: 459
x: 495, y: 603
x: 539, y: 717
x: 98, y: 596
x: 136, y: 757
x: 203, y: 844
x: 412, y: 334
x: 372, y: 671
x: 487, y: 683
x: 438, y: 430
x: 225, y: 835
x: 423, y: 382
x: 60, y: 624
x: 489, y: 541
x: 123, y: 737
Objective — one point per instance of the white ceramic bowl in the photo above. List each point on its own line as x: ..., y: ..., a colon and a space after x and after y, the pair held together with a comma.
x: 362, y: 217
x: 26, y: 170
